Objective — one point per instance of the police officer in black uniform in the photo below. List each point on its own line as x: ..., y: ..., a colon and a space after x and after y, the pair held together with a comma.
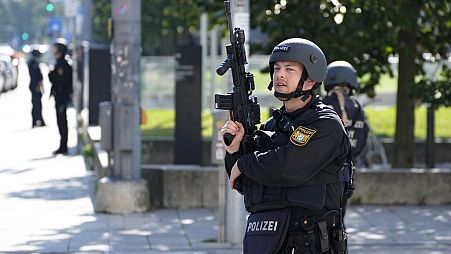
x: 61, y: 79
x: 340, y: 84
x: 36, y: 88
x: 293, y: 183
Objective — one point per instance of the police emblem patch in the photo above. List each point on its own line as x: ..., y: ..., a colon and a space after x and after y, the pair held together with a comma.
x: 301, y: 136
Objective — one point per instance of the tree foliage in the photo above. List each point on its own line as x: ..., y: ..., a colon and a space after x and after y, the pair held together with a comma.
x: 366, y: 33
x: 101, y: 13
x: 164, y: 23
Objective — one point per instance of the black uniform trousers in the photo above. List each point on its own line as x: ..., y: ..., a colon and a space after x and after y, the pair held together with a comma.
x: 36, y: 110
x: 61, y: 120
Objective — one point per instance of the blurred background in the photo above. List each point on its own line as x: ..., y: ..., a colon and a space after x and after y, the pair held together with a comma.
x: 371, y: 35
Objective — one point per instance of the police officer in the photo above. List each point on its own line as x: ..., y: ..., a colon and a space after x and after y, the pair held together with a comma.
x: 36, y: 88
x: 61, y: 79
x: 340, y: 84
x: 293, y: 182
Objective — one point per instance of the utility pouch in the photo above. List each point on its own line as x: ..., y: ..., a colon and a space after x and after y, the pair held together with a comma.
x: 322, y: 236
x: 308, y: 196
x: 266, y: 231
x: 259, y: 197
x: 339, y: 241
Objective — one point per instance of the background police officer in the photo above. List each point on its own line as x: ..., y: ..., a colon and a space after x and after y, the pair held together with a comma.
x: 293, y: 179
x: 340, y: 83
x: 61, y: 79
x: 36, y: 88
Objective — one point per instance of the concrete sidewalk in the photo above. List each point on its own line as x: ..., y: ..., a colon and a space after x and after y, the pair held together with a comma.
x: 46, y: 205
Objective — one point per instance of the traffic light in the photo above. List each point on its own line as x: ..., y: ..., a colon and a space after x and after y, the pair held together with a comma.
x: 24, y: 36
x: 50, y: 6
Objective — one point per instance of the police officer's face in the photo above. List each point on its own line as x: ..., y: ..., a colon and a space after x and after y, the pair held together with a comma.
x: 56, y: 52
x: 286, y: 76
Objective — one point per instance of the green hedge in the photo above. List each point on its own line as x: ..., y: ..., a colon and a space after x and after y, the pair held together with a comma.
x: 161, y: 122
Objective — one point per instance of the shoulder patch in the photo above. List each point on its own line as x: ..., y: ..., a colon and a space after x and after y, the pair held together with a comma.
x: 301, y: 136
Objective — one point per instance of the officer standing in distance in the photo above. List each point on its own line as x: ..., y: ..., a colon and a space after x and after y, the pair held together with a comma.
x: 293, y: 183
x: 36, y: 88
x: 61, y: 79
x: 340, y: 84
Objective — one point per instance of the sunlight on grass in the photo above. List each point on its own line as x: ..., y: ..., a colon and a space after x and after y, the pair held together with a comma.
x: 161, y: 122
x: 387, y: 84
x: 383, y: 121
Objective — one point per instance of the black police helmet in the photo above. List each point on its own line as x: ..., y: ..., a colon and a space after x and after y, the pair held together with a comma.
x: 304, y: 52
x: 61, y: 45
x: 340, y: 73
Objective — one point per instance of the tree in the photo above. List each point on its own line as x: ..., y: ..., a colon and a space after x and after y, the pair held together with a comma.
x: 366, y: 33
x: 363, y: 32
x: 164, y: 23
x: 101, y: 13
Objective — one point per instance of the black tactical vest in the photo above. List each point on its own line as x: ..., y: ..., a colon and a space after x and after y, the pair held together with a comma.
x: 274, y: 133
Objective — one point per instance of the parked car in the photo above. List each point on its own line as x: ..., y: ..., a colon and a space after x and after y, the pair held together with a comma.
x: 8, y: 72
x: 2, y: 79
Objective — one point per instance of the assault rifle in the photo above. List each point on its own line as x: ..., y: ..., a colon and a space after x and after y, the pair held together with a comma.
x: 243, y: 106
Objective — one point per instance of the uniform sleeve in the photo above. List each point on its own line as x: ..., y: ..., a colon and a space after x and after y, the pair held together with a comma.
x: 61, y: 78
x: 300, y: 160
x: 229, y: 161
x: 359, y: 131
x: 40, y: 77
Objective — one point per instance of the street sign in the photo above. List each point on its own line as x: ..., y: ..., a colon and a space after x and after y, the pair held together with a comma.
x: 71, y: 7
x: 55, y: 25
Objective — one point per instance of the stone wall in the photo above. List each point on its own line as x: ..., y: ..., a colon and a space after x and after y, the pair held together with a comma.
x: 403, y: 187
x: 189, y: 186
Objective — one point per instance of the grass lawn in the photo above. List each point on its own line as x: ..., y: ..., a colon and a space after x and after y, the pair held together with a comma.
x: 383, y: 122
x: 161, y: 122
x: 386, y: 84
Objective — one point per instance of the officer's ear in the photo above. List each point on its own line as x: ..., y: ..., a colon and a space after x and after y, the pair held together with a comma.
x: 308, y: 84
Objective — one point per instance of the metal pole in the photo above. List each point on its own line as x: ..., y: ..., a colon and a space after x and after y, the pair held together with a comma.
x: 430, y: 151
x: 431, y: 69
x: 203, y: 43
x: 85, y: 106
x: 235, y: 218
x: 77, y: 86
x: 213, y: 63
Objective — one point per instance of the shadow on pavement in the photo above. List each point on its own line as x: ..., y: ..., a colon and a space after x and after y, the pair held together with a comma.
x: 61, y: 189
x: 14, y: 171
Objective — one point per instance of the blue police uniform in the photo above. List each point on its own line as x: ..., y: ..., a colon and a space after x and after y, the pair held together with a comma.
x: 293, y: 183
x: 358, y: 128
x: 36, y: 93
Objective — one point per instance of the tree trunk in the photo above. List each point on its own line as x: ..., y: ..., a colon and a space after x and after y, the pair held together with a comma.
x: 405, y: 104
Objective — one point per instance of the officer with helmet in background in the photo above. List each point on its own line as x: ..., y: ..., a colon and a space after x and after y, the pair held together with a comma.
x: 340, y: 84
x: 293, y: 183
x: 61, y: 79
